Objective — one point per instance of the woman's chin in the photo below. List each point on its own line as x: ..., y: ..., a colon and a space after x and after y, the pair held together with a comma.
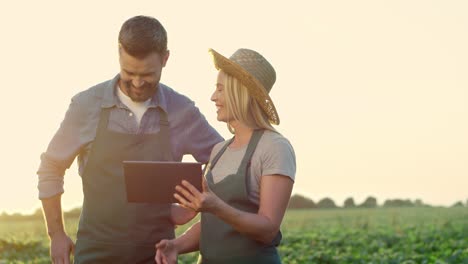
x: 220, y: 118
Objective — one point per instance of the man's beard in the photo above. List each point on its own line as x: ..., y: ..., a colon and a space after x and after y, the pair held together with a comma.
x: 146, y: 91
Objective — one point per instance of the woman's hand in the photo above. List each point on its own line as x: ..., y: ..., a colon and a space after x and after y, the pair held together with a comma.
x: 166, y: 252
x: 189, y: 197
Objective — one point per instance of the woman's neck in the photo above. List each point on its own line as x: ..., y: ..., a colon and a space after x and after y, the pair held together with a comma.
x: 242, y: 134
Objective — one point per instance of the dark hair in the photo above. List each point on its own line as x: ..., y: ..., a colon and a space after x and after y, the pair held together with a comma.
x: 141, y: 35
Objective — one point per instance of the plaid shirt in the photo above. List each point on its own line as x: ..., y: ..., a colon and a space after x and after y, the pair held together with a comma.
x: 190, y: 133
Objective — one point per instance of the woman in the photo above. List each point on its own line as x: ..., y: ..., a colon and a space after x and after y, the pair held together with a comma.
x: 248, y: 182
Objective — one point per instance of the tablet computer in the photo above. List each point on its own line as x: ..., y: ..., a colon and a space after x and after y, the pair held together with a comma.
x: 155, y: 181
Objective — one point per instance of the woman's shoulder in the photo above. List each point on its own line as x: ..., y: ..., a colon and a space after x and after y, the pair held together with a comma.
x: 274, y: 138
x: 217, y: 148
x: 276, y: 155
x: 219, y: 145
x: 275, y: 144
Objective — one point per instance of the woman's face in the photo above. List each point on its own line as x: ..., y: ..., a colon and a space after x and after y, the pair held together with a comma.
x: 218, y: 97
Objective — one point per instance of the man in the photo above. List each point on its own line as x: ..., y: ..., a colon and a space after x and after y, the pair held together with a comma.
x: 130, y: 117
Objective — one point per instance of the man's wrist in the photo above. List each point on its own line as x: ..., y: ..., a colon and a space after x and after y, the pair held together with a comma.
x: 53, y: 233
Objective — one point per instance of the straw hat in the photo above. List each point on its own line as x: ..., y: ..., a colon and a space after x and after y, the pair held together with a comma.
x: 255, y: 73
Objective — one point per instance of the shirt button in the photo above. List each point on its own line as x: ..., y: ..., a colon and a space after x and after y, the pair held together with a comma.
x: 130, y: 114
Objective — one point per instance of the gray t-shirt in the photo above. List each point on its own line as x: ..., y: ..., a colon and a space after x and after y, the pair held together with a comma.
x: 273, y: 155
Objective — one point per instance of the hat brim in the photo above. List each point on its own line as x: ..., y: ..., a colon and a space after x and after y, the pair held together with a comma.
x: 255, y: 88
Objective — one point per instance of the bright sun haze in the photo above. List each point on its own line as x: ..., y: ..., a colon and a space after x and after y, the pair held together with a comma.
x: 372, y: 94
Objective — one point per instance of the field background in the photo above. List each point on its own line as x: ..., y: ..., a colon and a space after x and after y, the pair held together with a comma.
x: 359, y: 235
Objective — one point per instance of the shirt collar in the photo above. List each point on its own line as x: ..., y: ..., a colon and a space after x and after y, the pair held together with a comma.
x: 110, y: 98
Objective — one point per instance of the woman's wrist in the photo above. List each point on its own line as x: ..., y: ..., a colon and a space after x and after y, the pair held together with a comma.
x: 219, y: 207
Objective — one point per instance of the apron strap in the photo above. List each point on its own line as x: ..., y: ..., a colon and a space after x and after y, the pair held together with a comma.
x: 220, y: 153
x: 103, y: 121
x: 210, y: 165
x: 257, y: 134
x: 163, y: 129
x: 165, y: 133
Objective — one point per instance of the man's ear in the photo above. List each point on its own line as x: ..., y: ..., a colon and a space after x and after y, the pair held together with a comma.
x: 165, y: 58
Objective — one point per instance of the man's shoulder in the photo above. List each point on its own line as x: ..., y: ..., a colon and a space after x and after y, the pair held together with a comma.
x: 94, y: 94
x: 173, y: 98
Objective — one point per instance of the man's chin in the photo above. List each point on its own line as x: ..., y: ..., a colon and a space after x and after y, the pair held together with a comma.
x: 139, y: 99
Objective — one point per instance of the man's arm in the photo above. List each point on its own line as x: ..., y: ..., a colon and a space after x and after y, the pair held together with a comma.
x: 53, y: 215
x: 62, y: 150
x: 60, y: 243
x: 202, y: 137
x: 67, y: 142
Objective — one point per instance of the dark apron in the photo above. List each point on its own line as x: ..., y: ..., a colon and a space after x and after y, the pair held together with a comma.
x: 111, y: 230
x: 219, y: 242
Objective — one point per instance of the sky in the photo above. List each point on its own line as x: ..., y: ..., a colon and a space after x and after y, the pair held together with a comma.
x: 373, y: 95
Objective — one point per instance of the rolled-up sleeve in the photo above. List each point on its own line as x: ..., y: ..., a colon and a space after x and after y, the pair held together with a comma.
x: 197, y: 135
x: 61, y: 151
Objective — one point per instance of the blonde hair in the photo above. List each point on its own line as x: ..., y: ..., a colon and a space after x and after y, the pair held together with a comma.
x: 243, y: 107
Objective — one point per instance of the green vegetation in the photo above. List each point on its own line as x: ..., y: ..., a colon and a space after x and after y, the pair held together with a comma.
x: 298, y: 201
x: 357, y: 235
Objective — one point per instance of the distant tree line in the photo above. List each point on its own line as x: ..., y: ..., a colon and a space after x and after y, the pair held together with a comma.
x: 298, y: 201
x: 37, y: 215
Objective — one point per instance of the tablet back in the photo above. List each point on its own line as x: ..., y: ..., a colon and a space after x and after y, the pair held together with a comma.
x: 155, y: 181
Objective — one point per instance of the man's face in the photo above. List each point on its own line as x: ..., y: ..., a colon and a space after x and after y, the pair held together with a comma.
x: 139, y: 78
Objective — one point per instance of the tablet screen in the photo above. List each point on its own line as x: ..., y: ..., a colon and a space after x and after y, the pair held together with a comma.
x: 155, y: 181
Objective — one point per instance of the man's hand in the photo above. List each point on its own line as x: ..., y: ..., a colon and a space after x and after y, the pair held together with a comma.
x: 166, y: 252
x: 60, y: 248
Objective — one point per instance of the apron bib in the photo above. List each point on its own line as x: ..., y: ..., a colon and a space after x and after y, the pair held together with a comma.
x: 111, y: 230
x: 219, y: 242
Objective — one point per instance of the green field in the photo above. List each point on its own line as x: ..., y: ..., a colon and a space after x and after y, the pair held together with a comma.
x: 379, y: 235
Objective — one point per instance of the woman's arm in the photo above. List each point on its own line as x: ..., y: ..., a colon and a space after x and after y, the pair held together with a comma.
x: 275, y: 191
x: 181, y: 215
x: 189, y: 241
